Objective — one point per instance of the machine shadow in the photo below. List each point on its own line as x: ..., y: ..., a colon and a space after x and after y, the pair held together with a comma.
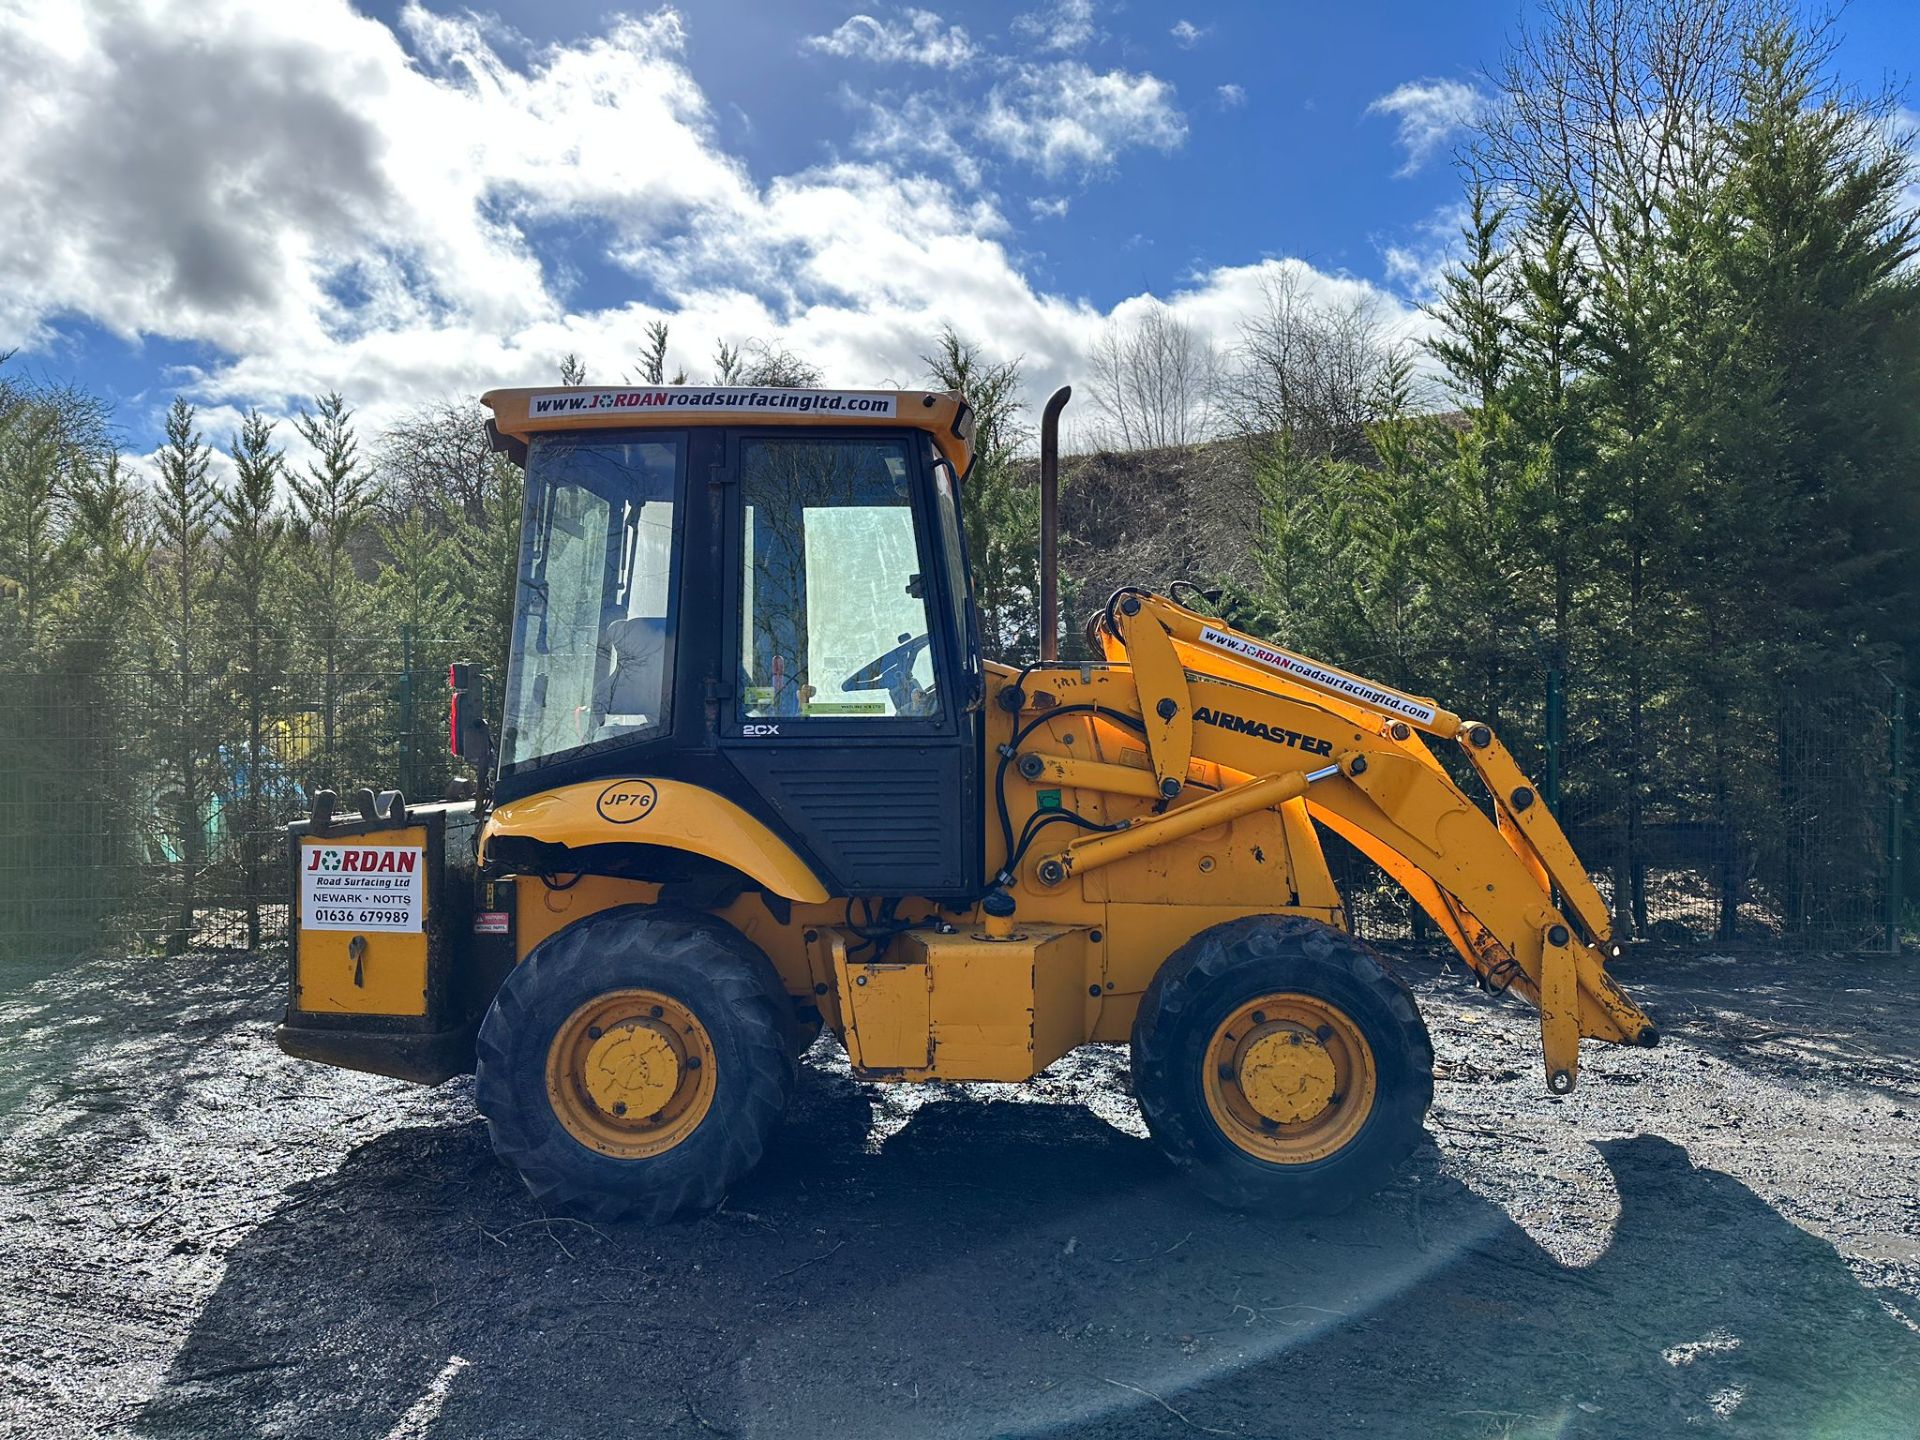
x: 1016, y: 1269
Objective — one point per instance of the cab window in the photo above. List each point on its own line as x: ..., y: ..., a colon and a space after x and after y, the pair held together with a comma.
x: 834, y: 588
x: 593, y: 615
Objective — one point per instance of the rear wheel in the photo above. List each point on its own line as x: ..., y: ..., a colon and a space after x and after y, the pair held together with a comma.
x: 1280, y: 1064
x: 636, y: 1062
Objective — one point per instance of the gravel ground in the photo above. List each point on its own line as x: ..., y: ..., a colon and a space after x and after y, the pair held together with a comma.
x: 200, y: 1237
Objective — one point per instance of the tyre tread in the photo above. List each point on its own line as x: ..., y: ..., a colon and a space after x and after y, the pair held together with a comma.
x: 1163, y: 1032
x: 610, y: 950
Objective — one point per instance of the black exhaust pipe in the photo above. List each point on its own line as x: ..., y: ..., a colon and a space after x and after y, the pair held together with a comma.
x: 1050, y: 523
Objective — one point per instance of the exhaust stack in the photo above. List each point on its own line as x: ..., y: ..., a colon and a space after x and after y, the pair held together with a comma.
x: 1050, y: 523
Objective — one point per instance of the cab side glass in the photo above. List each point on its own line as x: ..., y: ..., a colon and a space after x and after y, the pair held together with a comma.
x: 834, y: 600
x: 953, y: 544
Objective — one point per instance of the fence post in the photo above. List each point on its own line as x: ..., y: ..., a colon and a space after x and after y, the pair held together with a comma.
x: 1896, y: 863
x: 406, y: 713
x: 1556, y: 721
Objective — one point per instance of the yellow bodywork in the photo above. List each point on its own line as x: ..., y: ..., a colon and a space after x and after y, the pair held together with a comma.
x: 961, y: 1002
x: 670, y: 813
x: 1215, y: 754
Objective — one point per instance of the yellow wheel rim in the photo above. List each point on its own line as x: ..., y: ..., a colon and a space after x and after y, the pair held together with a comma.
x: 1289, y: 1078
x: 631, y: 1073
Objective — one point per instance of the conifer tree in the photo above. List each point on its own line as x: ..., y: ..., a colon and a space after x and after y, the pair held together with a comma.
x: 1001, y: 514
x: 1475, y: 305
x: 180, y: 582
x: 252, y: 601
x: 1550, y: 411
x: 333, y: 501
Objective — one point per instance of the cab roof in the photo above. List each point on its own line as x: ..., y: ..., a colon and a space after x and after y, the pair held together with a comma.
x: 519, y: 415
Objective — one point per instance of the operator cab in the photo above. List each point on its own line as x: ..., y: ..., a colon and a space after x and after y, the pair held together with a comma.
x: 763, y: 592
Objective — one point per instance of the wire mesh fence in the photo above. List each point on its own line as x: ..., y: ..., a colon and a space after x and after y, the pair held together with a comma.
x: 146, y: 809
x: 1781, y: 829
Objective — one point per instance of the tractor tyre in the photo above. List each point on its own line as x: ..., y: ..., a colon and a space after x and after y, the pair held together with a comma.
x: 1281, y: 1066
x: 635, y: 1063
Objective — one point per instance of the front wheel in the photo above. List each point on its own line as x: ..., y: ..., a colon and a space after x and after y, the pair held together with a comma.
x: 1280, y: 1064
x: 635, y: 1063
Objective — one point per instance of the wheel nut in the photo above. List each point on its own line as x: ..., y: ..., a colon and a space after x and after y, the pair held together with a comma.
x: 1226, y: 1072
x: 594, y: 1032
x: 656, y: 1012
x: 619, y: 1107
x: 693, y: 1062
x: 1323, y: 1034
x: 1259, y: 1017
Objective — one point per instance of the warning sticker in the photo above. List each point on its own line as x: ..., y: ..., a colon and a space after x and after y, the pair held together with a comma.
x: 348, y: 886
x: 491, y: 922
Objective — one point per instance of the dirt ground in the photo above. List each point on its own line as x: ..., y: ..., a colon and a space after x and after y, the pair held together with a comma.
x: 200, y: 1237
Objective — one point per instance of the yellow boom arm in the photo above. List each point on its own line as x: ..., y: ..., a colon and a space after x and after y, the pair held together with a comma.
x: 1509, y: 892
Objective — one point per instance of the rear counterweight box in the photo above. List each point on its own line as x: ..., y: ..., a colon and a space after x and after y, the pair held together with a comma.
x: 392, y: 962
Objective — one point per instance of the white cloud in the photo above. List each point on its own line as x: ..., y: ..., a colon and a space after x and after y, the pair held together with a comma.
x: 1059, y: 116
x: 919, y: 37
x: 1066, y: 25
x: 1187, y: 34
x: 1054, y: 208
x: 897, y: 127
x: 1066, y: 116
x: 333, y: 212
x: 1231, y: 97
x: 1430, y: 113
x: 1417, y: 262
x: 1906, y: 136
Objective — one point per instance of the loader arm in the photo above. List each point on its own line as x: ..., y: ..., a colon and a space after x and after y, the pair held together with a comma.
x: 1507, y: 891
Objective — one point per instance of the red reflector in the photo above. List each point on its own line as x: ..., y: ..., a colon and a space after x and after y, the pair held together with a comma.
x: 453, y: 724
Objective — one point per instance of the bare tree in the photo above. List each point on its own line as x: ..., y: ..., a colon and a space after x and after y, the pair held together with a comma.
x: 1616, y: 105
x: 1315, y: 370
x: 573, y: 370
x: 760, y: 363
x: 438, y: 460
x: 1155, y: 381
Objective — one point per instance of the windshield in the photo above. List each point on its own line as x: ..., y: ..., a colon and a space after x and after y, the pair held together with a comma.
x: 593, y: 620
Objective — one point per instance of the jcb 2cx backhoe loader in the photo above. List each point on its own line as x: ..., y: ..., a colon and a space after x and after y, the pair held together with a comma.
x: 753, y: 778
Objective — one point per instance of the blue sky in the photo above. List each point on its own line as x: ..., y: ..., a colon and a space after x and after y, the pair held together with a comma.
x: 247, y: 201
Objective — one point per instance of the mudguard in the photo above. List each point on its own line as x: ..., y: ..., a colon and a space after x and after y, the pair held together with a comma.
x: 645, y: 811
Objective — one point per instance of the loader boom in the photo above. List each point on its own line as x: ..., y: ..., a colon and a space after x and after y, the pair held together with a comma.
x: 1507, y: 891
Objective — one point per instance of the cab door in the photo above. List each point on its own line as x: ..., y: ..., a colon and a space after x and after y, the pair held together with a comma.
x: 851, y: 712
